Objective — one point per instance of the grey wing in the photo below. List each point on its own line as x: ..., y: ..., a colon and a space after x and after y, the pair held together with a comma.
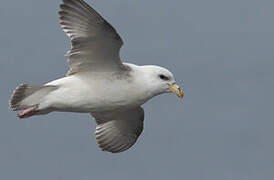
x: 95, y: 44
x: 118, y: 131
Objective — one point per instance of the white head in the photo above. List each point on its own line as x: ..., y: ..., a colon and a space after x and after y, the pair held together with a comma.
x: 160, y: 80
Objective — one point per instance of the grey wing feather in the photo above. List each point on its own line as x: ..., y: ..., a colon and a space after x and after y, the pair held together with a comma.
x: 117, y: 131
x: 95, y: 43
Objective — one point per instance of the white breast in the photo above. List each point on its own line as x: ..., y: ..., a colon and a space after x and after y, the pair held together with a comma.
x: 95, y: 92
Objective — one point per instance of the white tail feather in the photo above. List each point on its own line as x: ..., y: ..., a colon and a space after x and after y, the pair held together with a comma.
x: 26, y: 95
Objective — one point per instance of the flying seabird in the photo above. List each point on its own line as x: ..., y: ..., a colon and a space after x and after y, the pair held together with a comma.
x: 98, y: 82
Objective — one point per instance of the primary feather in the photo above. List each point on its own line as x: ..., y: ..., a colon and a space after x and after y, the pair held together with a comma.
x: 95, y: 43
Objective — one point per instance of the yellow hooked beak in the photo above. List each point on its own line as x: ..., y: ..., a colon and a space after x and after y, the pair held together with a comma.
x: 176, y: 90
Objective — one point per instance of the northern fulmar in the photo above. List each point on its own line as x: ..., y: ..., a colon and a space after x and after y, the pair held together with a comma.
x: 98, y: 82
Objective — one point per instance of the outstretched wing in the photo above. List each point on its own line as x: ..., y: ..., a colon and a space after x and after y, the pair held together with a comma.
x: 118, y: 131
x: 95, y: 44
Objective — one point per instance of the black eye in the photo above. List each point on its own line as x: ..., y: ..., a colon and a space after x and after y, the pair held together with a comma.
x: 163, y: 77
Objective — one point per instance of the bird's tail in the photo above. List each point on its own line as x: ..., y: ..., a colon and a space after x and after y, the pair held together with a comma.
x: 28, y: 97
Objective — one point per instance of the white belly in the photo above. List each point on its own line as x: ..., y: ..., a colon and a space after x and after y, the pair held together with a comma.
x: 76, y: 94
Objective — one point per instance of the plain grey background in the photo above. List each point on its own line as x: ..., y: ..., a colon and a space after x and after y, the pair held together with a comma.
x: 220, y: 51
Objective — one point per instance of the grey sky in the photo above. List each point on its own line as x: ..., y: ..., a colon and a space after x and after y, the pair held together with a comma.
x: 223, y: 53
